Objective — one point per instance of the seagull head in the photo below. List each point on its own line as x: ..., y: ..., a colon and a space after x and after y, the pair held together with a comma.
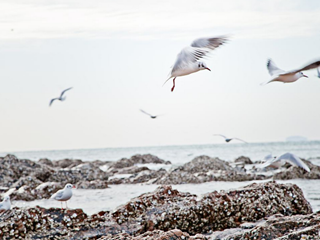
x: 69, y: 186
x: 202, y: 66
x: 6, y: 199
x: 302, y: 75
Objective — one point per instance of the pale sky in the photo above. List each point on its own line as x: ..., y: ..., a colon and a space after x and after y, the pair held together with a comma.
x: 117, y: 54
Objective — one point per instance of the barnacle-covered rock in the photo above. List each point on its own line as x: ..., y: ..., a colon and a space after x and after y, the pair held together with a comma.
x: 167, y: 209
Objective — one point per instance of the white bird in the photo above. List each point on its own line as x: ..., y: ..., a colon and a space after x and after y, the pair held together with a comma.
x: 5, y: 204
x: 64, y: 195
x: 229, y: 139
x: 187, y: 60
x: 61, y: 98
x: 150, y: 115
x: 286, y: 158
x: 279, y: 75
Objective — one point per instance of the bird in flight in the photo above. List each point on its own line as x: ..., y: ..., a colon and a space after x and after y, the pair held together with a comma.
x: 187, y: 60
x: 61, y: 98
x: 229, y: 139
x: 279, y: 75
x: 285, y: 158
x: 150, y: 115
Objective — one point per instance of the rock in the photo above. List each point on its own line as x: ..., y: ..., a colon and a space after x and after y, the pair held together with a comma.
x: 67, y: 163
x: 95, y: 184
x: 175, y: 234
x: 138, y: 158
x: 275, y: 227
x: 12, y: 168
x: 205, y: 169
x: 295, y: 172
x: 169, y: 214
x: 244, y: 160
x: 166, y: 209
x: 46, y: 161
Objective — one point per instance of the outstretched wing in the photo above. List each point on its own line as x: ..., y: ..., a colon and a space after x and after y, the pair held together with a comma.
x: 220, y: 135
x: 64, y: 91
x: 146, y: 113
x: 307, y: 67
x: 52, y: 100
x: 211, y: 42
x: 240, y: 140
x: 273, y: 69
x: 293, y: 160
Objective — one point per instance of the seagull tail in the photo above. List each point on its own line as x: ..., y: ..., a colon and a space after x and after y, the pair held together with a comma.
x: 265, y: 83
x: 167, y: 81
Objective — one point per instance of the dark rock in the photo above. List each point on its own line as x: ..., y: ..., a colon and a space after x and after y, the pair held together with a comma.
x: 138, y: 158
x: 95, y: 184
x: 244, y: 160
x: 295, y: 172
x: 167, y: 209
x: 67, y: 163
x: 205, y: 169
x: 46, y: 161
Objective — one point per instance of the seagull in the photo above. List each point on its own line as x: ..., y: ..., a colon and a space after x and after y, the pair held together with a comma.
x: 5, y: 204
x: 279, y: 75
x: 61, y: 98
x: 229, y: 139
x: 152, y: 116
x: 187, y: 60
x: 64, y: 195
x: 287, y: 157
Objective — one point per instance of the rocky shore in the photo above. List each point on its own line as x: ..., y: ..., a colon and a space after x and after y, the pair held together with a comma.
x: 257, y: 211
x: 28, y: 180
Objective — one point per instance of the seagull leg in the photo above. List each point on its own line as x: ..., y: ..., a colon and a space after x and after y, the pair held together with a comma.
x: 61, y: 206
x: 174, y: 84
x: 66, y: 205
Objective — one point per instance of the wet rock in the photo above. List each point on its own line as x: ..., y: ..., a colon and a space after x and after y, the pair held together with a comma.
x: 244, y: 160
x: 295, y: 172
x: 276, y: 227
x: 205, y: 169
x: 166, y: 209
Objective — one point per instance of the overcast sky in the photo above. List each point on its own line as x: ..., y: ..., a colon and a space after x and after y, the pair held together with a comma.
x: 117, y: 54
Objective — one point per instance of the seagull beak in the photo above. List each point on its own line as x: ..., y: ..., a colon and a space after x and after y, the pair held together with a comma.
x: 73, y: 186
x: 305, y: 76
x: 208, y: 69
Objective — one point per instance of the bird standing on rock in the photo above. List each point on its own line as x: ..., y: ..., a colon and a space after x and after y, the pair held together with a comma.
x: 187, y: 60
x: 64, y: 195
x: 5, y: 204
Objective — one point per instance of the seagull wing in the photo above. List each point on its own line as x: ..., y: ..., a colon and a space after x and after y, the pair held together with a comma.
x: 211, y: 42
x: 64, y: 91
x: 293, y: 160
x: 240, y: 140
x: 52, y: 100
x: 146, y: 113
x: 273, y: 69
x: 307, y: 67
x: 220, y: 135
x: 58, y: 195
x: 187, y: 56
x: 269, y: 160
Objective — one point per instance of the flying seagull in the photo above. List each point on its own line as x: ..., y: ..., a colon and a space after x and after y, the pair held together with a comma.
x: 187, y: 60
x: 5, y: 204
x: 61, y: 98
x: 286, y: 158
x: 64, y: 195
x: 229, y: 139
x: 150, y: 115
x: 279, y: 75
